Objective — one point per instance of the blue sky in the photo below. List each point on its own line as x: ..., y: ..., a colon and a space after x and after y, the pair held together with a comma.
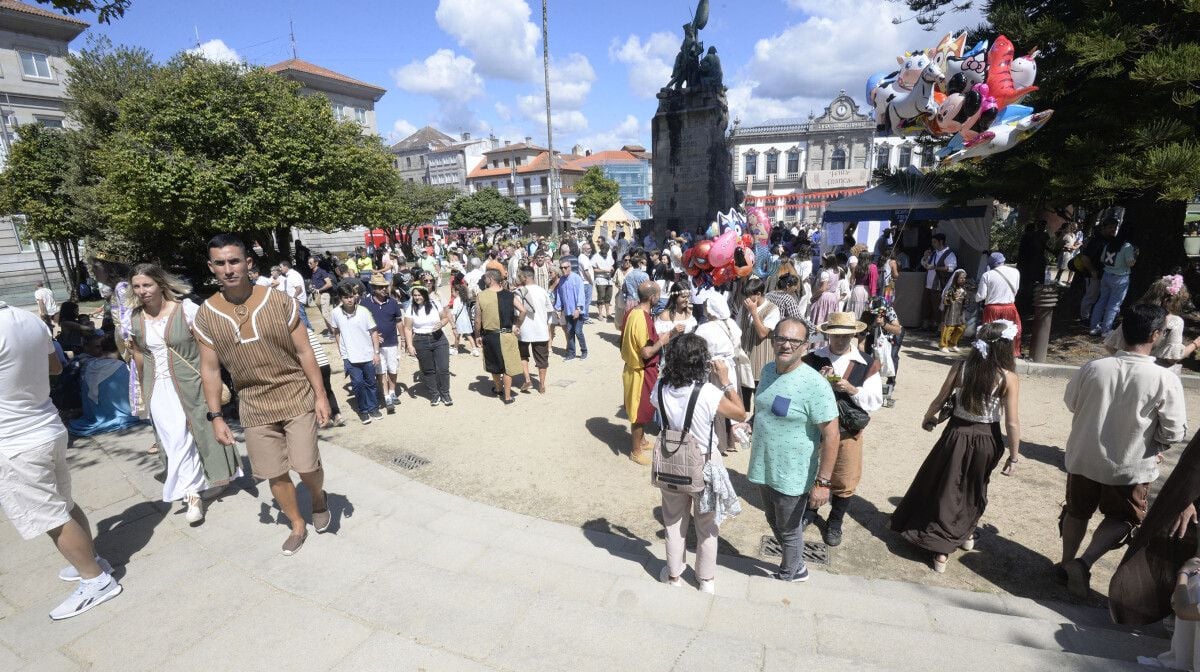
x: 475, y: 65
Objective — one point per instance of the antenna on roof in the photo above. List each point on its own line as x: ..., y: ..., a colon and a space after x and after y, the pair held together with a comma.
x: 197, y: 32
x: 292, y: 32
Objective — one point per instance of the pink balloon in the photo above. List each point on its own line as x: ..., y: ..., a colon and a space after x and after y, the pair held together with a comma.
x: 758, y: 222
x: 722, y: 249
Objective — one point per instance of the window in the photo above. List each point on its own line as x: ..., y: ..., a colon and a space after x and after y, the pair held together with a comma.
x: 360, y: 115
x: 751, y: 165
x: 408, y: 162
x: 793, y: 162
x: 905, y: 157
x: 506, y: 163
x: 35, y: 65
x: 791, y: 210
x: 545, y: 183
x: 517, y: 160
x: 422, y: 161
x: 525, y: 183
x: 917, y: 159
x: 545, y: 207
x: 772, y: 164
x: 838, y: 161
x: 50, y: 122
x: 883, y: 157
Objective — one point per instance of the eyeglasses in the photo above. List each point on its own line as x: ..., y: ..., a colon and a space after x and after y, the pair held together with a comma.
x: 794, y: 343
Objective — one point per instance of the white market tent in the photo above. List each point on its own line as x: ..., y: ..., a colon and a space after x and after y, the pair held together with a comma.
x: 967, y: 227
x: 615, y: 219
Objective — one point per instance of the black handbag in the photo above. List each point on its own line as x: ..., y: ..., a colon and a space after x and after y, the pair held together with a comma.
x: 851, y: 417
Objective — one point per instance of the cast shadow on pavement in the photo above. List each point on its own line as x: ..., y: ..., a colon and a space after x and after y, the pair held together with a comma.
x: 339, y: 507
x: 615, y: 436
x: 621, y: 542
x: 482, y: 386
x: 120, y: 537
x: 1051, y: 455
x: 609, y: 337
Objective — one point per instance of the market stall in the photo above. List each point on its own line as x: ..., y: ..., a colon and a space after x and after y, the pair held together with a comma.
x: 615, y: 219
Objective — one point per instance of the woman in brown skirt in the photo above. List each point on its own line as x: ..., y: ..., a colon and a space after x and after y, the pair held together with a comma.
x: 949, y: 493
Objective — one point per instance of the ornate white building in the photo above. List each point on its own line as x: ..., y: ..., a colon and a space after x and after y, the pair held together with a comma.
x: 794, y: 167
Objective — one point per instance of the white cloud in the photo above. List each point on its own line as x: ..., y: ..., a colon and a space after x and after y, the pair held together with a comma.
x: 444, y: 75
x: 498, y: 34
x: 649, y: 62
x: 401, y: 129
x: 533, y: 108
x: 570, y: 83
x: 217, y: 51
x: 503, y: 112
x: 837, y: 46
x: 631, y: 131
x: 749, y: 108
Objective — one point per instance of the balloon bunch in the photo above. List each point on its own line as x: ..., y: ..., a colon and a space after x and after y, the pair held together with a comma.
x: 970, y: 97
x: 729, y: 251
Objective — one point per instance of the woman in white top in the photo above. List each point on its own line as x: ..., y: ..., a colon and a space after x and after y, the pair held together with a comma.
x: 686, y: 369
x: 423, y: 322
x: 950, y: 491
x: 724, y: 338
x: 678, y: 312
x: 168, y: 363
x: 1170, y: 293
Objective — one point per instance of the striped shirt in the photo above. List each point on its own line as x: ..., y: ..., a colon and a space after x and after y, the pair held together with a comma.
x: 318, y: 350
x: 254, y: 343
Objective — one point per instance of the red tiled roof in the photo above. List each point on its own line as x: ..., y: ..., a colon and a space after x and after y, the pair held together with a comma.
x: 297, y: 65
x: 612, y: 156
x: 517, y: 146
x: 34, y: 10
x: 539, y: 164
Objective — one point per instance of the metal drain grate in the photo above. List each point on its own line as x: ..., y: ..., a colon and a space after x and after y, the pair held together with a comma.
x: 409, y: 461
x: 814, y: 551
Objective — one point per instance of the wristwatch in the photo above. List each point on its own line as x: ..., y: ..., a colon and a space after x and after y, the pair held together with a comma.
x: 823, y: 482
x: 214, y: 416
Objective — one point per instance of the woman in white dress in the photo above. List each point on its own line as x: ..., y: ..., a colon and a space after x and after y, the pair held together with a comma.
x: 168, y: 363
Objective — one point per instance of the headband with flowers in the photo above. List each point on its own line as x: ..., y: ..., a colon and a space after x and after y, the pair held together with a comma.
x: 1174, y: 283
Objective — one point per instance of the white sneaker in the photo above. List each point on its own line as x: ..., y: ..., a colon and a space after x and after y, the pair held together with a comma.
x: 195, y: 510
x: 943, y: 349
x: 708, y: 586
x: 88, y: 594
x: 69, y: 573
x: 665, y: 577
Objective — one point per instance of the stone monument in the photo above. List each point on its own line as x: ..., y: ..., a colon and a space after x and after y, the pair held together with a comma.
x: 693, y: 169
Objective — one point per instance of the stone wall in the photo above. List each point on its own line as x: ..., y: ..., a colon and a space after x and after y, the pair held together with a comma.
x: 693, y: 169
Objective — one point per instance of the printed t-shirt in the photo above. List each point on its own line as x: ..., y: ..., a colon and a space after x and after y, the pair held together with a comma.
x: 788, y: 410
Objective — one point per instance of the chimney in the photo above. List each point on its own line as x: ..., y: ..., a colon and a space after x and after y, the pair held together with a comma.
x: 466, y: 136
x: 588, y: 153
x: 507, y: 143
x: 529, y: 139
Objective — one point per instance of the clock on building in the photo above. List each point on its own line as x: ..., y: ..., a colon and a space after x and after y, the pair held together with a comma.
x: 841, y: 110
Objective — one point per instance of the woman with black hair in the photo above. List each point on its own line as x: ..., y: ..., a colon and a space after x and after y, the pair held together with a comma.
x: 423, y: 322
x: 684, y: 376
x: 949, y: 493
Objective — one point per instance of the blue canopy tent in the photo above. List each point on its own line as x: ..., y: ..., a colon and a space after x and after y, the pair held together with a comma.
x: 967, y: 228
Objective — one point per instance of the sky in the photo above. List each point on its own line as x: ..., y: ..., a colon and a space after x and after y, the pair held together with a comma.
x: 476, y: 65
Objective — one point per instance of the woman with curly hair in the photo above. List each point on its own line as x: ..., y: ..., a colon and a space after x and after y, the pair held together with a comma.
x: 684, y: 384
x: 949, y: 493
x: 1169, y: 293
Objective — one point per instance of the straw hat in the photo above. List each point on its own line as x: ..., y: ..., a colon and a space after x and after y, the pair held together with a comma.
x: 377, y: 280
x: 841, y: 323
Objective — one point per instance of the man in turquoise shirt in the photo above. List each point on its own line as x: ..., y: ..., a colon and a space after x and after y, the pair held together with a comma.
x: 794, y: 409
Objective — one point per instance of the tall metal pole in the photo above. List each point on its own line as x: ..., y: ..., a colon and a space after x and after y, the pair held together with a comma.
x: 554, y: 218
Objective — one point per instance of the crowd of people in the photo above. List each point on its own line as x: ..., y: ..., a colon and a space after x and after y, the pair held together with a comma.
x: 788, y: 363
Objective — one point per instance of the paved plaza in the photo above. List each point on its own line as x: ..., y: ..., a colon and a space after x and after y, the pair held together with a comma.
x: 413, y: 578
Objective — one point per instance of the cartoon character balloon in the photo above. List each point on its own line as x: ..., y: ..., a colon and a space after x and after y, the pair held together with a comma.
x: 721, y: 251
x: 1001, y: 137
x: 1000, y: 79
x: 700, y: 255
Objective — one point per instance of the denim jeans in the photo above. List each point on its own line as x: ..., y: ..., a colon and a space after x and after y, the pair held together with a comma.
x: 362, y: 382
x: 785, y: 515
x: 575, y: 330
x: 303, y: 314
x: 587, y: 306
x: 1112, y: 294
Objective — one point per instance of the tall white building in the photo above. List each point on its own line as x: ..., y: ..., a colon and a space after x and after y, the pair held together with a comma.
x: 794, y: 167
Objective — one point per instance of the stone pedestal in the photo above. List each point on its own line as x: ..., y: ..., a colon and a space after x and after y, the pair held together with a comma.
x: 693, y: 169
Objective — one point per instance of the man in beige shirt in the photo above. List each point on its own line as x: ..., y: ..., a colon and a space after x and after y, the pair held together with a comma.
x: 1127, y: 411
x: 257, y: 335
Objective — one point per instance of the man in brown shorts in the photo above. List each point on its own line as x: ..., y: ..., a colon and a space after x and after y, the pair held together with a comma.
x: 1127, y: 410
x: 257, y: 335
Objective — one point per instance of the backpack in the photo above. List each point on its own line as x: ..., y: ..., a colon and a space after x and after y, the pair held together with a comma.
x: 678, y: 463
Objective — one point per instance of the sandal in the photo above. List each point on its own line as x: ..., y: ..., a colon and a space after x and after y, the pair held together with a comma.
x: 152, y: 450
x: 294, y: 542
x: 1009, y: 467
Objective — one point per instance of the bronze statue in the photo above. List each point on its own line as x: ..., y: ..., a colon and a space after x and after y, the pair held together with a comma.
x: 689, y: 71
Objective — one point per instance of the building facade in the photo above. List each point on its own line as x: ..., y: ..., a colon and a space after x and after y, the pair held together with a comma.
x: 351, y: 100
x: 450, y: 165
x: 521, y: 172
x: 794, y: 167
x: 630, y: 167
x: 410, y: 156
x: 33, y: 79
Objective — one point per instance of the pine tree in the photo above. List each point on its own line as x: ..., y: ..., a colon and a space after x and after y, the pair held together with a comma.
x: 1122, y: 79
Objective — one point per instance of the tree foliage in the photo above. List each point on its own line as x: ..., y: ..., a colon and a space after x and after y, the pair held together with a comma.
x: 207, y: 147
x: 106, y: 10
x: 486, y: 208
x: 418, y: 204
x: 595, y: 193
x: 1123, y: 79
